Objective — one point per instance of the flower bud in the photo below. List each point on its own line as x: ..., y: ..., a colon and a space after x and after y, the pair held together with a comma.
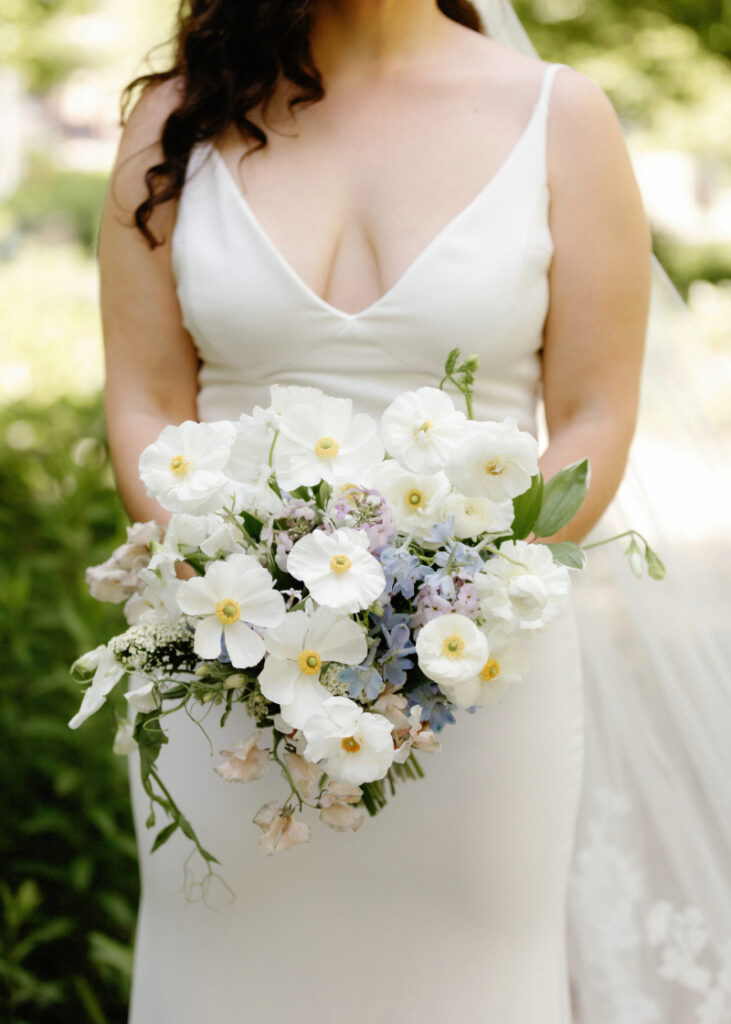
x: 235, y: 681
x: 655, y: 567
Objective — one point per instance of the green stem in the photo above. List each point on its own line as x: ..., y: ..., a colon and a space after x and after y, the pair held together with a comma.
x: 498, y: 551
x: 627, y: 533
x: 288, y: 775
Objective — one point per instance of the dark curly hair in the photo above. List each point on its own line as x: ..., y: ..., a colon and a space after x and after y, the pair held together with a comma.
x: 229, y: 56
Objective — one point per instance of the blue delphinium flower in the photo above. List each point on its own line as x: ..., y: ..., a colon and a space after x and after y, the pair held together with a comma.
x: 401, y: 569
x: 457, y: 560
x: 360, y: 678
x: 390, y: 617
x: 441, y: 533
x: 396, y: 661
x: 434, y: 705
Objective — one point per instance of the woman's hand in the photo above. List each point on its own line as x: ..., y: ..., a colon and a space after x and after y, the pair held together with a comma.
x: 184, y: 570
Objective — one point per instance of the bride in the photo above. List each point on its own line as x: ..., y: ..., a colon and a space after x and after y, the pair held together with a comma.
x: 336, y: 193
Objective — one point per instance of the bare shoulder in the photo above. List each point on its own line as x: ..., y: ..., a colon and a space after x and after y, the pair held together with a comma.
x: 140, y: 143
x: 584, y: 129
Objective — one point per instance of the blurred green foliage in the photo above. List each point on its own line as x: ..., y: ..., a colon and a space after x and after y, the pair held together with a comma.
x: 28, y: 39
x: 69, y: 882
x: 70, y: 199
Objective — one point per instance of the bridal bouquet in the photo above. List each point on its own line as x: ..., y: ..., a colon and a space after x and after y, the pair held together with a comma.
x: 351, y: 600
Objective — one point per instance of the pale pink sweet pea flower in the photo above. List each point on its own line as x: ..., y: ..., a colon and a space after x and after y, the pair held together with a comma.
x: 118, y: 578
x: 304, y: 773
x: 337, y: 808
x: 280, y: 830
x: 246, y: 762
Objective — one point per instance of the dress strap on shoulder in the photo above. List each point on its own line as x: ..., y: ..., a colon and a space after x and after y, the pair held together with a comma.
x: 548, y: 77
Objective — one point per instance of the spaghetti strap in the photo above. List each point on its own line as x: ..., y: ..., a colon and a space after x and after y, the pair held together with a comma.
x: 548, y: 77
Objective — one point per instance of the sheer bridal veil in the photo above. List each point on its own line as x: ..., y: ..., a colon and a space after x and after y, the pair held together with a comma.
x: 650, y: 889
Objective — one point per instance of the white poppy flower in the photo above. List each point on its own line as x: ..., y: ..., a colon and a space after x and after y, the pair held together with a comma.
x: 337, y: 569
x: 415, y: 499
x: 184, y: 468
x: 249, y: 459
x: 506, y: 664
x: 231, y: 595
x: 107, y: 673
x: 324, y: 441
x: 421, y: 428
x: 451, y: 649
x: 477, y: 515
x: 186, y: 533
x: 495, y: 460
x: 284, y: 396
x: 298, y: 648
x: 354, y: 745
x: 526, y: 592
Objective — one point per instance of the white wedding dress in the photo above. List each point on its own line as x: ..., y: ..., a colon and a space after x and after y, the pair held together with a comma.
x: 450, y: 905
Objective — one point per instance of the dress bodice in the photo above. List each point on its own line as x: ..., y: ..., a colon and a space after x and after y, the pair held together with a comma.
x: 481, y: 284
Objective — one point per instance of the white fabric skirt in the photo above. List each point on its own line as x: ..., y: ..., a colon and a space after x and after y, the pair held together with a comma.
x: 449, y: 905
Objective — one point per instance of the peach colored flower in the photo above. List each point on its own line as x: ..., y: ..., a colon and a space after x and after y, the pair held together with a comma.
x: 246, y: 762
x: 280, y: 830
x: 337, y: 807
x: 414, y: 735
x: 392, y: 705
x: 304, y: 773
x: 118, y: 578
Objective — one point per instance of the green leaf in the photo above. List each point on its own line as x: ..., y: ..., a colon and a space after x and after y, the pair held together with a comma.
x: 451, y: 362
x: 163, y: 835
x: 563, y: 496
x: 150, y: 739
x: 252, y: 525
x: 565, y: 552
x: 526, y: 508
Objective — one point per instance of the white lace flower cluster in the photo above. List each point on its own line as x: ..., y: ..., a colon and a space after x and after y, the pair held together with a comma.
x: 354, y: 582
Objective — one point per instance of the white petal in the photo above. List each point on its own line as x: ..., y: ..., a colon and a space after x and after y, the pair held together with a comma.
x: 245, y: 647
x: 288, y: 638
x: 207, y: 641
x: 336, y: 638
x: 195, y: 597
x: 278, y: 678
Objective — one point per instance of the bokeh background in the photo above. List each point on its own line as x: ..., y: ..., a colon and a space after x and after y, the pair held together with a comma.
x: 68, y: 883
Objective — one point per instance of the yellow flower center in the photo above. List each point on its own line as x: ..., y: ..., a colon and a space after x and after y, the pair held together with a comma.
x: 228, y: 611
x: 491, y: 670
x: 326, y: 448
x: 452, y: 646
x: 350, y: 744
x: 178, y: 464
x: 415, y: 498
x: 340, y: 563
x: 309, y: 662
x: 426, y: 425
x: 494, y: 467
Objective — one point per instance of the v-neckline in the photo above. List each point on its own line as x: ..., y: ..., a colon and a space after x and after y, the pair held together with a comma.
x: 421, y: 257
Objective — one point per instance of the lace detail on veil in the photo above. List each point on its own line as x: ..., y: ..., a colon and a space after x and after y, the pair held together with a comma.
x: 619, y: 932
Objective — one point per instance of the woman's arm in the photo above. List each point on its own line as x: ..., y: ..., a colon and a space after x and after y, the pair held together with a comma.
x: 151, y: 362
x: 600, y: 287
